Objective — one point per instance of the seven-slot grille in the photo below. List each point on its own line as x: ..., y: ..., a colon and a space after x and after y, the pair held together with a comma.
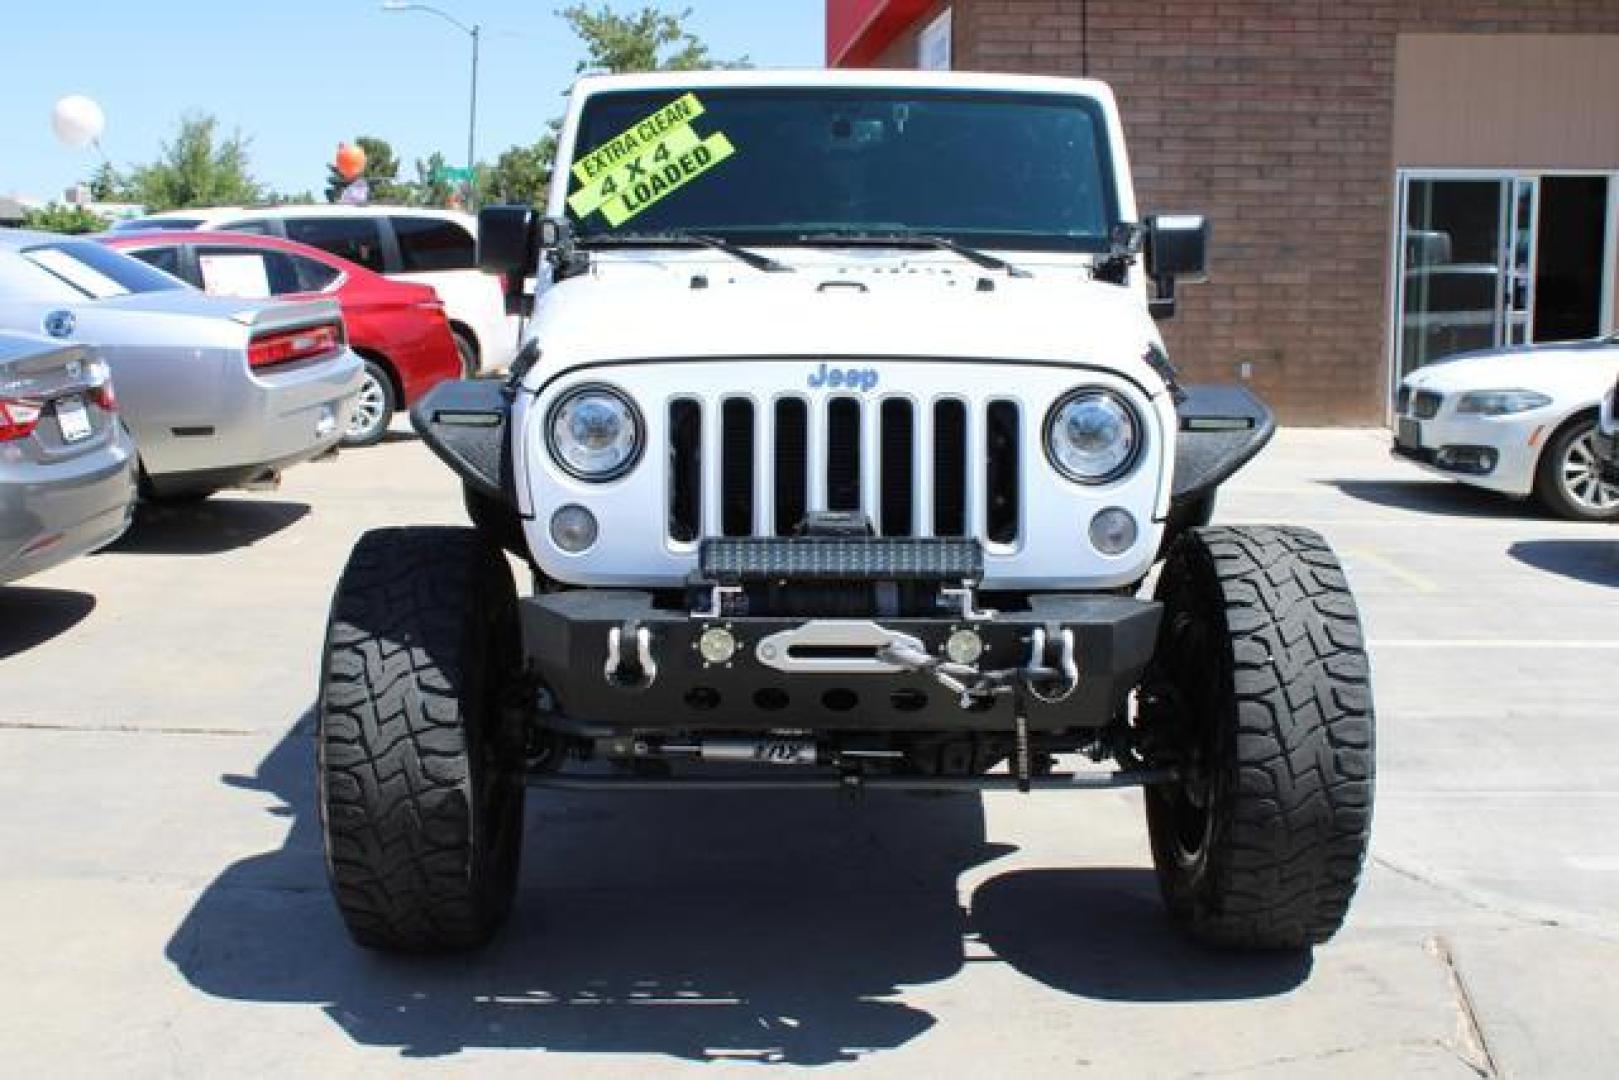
x: 739, y: 467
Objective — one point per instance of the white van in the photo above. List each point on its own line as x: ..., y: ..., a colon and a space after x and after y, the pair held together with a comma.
x: 433, y: 247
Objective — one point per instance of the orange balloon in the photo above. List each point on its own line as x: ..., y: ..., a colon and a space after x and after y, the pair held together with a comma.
x: 350, y: 161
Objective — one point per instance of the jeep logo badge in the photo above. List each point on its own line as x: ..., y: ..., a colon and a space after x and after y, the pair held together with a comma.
x: 832, y: 378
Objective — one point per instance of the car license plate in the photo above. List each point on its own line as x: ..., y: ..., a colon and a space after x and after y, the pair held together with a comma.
x: 72, y: 418
x: 1409, y: 434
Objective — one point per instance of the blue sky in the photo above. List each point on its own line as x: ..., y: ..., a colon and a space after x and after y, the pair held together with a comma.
x: 298, y: 76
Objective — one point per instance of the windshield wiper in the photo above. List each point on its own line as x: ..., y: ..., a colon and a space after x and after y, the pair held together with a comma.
x: 686, y: 239
x: 910, y: 239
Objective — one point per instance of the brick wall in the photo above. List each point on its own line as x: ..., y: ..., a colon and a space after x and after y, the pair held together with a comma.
x: 1274, y: 117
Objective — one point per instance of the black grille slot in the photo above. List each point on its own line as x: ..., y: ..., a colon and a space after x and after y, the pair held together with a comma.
x: 736, y: 467
x: 898, y: 443
x: 843, y: 454
x: 792, y: 464
x: 949, y: 468
x: 685, y: 470
x: 1001, y: 472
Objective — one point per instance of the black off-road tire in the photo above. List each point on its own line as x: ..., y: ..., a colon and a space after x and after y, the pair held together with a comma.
x: 1260, y: 690
x: 419, y: 760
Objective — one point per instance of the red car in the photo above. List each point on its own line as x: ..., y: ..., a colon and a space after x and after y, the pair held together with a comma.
x: 398, y: 328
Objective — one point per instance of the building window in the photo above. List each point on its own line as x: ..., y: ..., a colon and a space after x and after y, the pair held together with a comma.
x: 933, y: 45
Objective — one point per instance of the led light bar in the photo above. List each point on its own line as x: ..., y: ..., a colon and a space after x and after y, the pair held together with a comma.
x: 812, y: 558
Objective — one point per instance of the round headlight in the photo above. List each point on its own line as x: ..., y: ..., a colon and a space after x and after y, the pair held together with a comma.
x: 595, y: 433
x: 1092, y: 436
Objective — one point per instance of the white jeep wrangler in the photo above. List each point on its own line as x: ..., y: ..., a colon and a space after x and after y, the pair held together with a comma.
x: 841, y: 447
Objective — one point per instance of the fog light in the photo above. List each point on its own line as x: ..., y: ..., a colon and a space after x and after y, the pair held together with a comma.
x: 1476, y: 460
x: 573, y: 529
x: 1113, y: 531
x: 717, y: 645
x: 327, y: 424
x: 964, y: 647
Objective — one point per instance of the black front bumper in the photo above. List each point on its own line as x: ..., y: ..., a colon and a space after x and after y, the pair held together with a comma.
x: 566, y: 637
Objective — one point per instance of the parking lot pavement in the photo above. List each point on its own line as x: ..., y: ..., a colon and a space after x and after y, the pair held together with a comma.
x: 163, y: 908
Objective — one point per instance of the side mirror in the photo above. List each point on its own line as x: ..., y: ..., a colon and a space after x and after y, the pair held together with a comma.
x: 1177, y: 250
x: 507, y: 240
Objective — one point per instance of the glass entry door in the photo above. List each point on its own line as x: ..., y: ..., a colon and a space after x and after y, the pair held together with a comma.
x: 1488, y: 260
x: 1465, y: 266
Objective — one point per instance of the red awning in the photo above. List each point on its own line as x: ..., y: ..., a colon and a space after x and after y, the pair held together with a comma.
x: 857, y: 31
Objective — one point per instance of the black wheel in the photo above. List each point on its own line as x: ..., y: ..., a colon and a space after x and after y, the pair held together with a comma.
x: 468, y: 351
x: 373, y: 408
x: 1260, y: 695
x: 420, y: 767
x: 1568, y: 480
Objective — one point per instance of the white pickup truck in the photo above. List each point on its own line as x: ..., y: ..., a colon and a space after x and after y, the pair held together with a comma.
x: 840, y: 450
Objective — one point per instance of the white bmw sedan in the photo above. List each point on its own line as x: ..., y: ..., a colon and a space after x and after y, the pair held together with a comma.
x: 1519, y: 421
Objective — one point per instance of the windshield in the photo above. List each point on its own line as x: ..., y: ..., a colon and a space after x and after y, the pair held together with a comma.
x: 98, y: 272
x: 1016, y: 171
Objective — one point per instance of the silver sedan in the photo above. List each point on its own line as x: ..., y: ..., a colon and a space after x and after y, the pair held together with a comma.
x: 67, y: 467
x: 218, y: 392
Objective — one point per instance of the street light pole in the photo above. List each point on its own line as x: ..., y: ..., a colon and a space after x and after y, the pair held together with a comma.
x: 475, y: 32
x: 472, y: 119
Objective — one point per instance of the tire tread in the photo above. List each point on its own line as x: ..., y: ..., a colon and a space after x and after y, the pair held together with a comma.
x: 395, y: 766
x: 1286, y: 861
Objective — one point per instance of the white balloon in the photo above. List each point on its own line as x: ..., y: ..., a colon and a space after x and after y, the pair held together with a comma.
x: 78, y: 121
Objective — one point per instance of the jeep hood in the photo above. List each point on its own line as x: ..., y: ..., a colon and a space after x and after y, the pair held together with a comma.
x: 646, y: 310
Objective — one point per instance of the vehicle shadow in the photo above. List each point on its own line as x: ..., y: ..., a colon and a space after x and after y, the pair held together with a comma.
x: 763, y: 927
x: 1439, y: 497
x: 1103, y: 933
x: 1595, y: 562
x: 210, y: 527
x: 30, y: 617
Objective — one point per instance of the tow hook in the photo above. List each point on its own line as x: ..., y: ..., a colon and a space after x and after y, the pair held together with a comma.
x: 1050, y: 680
x: 637, y: 672
x: 1048, y: 684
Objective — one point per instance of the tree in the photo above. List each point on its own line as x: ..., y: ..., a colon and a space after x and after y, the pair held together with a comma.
x: 381, y: 173
x: 649, y: 40
x: 61, y: 218
x: 522, y: 174
x: 107, y: 184
x: 432, y: 187
x: 197, y: 169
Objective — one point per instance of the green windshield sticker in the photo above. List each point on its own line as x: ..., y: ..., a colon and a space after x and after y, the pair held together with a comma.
x: 637, y: 139
x: 651, y: 160
x: 588, y: 199
x: 679, y: 172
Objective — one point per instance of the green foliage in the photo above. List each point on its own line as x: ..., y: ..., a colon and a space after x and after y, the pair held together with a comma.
x: 522, y: 174
x: 197, y: 169
x: 432, y: 188
x: 61, y: 218
x: 289, y: 198
x: 649, y: 40
x: 107, y: 184
x: 381, y: 173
